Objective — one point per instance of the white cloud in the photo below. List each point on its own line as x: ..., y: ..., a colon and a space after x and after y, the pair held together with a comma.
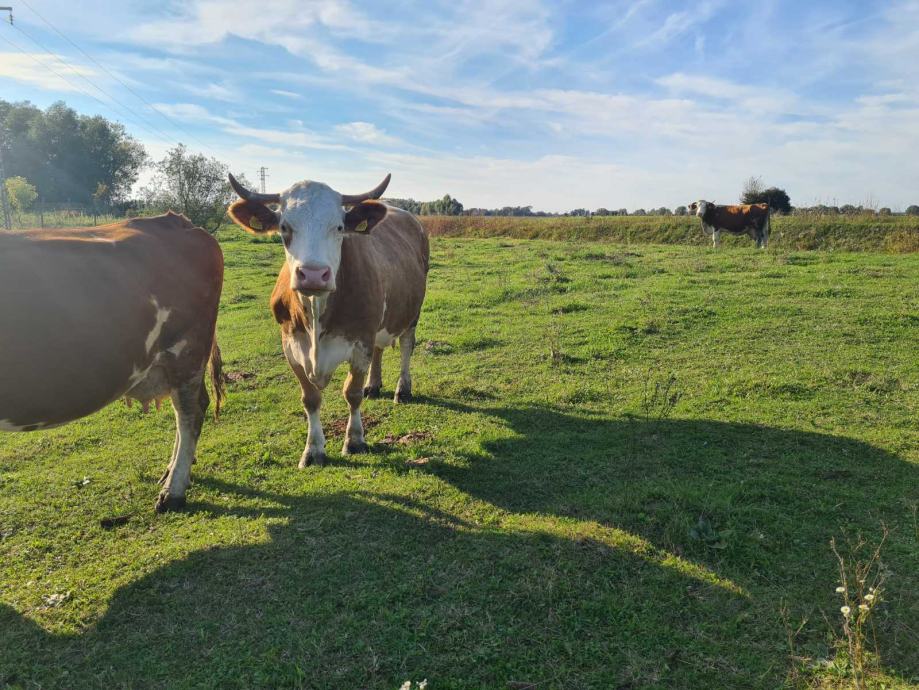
x: 287, y: 94
x: 290, y: 138
x: 44, y: 71
x: 365, y: 132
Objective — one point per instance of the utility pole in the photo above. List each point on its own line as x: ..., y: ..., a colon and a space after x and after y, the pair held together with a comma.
x: 4, y: 201
x: 262, y: 176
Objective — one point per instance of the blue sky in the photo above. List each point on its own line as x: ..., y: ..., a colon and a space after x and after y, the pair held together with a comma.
x: 514, y: 102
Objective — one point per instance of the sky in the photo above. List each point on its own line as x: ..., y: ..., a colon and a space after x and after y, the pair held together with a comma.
x: 557, y: 105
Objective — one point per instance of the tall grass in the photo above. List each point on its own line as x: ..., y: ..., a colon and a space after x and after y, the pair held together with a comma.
x: 896, y: 234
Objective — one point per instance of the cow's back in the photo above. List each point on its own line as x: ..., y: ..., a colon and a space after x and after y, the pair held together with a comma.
x: 382, y: 278
x: 85, y: 312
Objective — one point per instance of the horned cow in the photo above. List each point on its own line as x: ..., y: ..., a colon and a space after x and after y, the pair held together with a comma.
x: 353, y: 283
x: 745, y: 219
x: 88, y: 316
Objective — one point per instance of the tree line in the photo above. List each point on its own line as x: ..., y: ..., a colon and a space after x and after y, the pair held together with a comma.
x: 57, y: 156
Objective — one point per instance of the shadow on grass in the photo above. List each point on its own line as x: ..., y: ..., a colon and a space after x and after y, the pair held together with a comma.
x: 363, y: 589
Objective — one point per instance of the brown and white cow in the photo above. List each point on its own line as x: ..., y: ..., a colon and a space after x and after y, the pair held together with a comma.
x: 91, y: 315
x: 352, y: 284
x: 745, y: 219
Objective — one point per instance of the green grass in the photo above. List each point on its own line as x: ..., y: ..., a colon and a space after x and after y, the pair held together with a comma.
x: 540, y: 529
x: 865, y: 232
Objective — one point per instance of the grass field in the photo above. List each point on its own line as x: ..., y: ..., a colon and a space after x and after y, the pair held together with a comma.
x: 864, y: 232
x: 537, y: 516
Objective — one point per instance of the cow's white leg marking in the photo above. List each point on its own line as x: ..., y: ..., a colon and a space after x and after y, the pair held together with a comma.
x: 406, y: 347
x: 161, y: 315
x: 716, y: 237
x: 315, y: 440
x: 354, y: 394
x: 189, y: 405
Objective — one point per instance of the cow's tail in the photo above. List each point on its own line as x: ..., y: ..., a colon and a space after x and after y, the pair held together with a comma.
x: 215, y: 367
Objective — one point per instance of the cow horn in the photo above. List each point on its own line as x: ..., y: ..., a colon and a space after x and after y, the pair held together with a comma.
x: 375, y: 193
x: 253, y: 196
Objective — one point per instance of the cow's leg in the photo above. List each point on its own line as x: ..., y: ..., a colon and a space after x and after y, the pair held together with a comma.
x: 716, y: 237
x: 406, y: 347
x: 190, y: 403
x: 354, y: 394
x: 315, y: 439
x: 203, y: 401
x: 375, y: 377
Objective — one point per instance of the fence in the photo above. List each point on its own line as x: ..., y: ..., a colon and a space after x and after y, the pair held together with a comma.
x: 63, y: 215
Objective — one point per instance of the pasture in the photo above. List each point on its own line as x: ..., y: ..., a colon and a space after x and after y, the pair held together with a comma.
x: 622, y: 464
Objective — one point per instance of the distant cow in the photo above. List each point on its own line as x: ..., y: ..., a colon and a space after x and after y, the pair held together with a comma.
x: 747, y: 219
x: 353, y: 283
x: 124, y: 310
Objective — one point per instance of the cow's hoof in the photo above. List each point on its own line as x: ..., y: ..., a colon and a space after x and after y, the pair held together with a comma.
x: 402, y: 397
x: 372, y: 391
x: 354, y: 448
x: 166, y: 503
x: 312, y: 457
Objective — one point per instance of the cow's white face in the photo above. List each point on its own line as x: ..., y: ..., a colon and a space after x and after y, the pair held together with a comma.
x: 698, y: 208
x: 312, y: 227
x: 313, y: 223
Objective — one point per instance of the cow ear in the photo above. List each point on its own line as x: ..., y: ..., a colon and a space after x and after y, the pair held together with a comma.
x: 253, y: 216
x: 364, y: 216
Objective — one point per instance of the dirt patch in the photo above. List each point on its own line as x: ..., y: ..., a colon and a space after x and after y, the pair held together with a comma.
x: 338, y: 427
x: 409, y: 438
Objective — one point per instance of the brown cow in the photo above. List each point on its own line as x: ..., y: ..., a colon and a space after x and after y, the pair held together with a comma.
x: 353, y: 283
x: 91, y: 315
x: 746, y: 219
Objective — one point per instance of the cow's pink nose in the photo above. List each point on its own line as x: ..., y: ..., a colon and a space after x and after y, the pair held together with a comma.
x: 310, y: 278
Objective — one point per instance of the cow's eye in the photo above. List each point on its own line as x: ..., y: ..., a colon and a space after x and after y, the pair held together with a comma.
x: 341, y: 227
x: 286, y: 232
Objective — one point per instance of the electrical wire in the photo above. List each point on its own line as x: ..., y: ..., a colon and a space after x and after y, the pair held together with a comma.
x: 117, y: 78
x: 77, y: 72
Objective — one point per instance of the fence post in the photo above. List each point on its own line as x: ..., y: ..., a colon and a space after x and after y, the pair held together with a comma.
x: 4, y: 202
x: 41, y: 212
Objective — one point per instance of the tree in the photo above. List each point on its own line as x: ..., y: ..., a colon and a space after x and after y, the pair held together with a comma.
x: 912, y: 210
x: 20, y: 193
x: 680, y: 211
x: 752, y: 188
x: 884, y: 212
x: 777, y: 199
x: 639, y: 212
x: 66, y: 155
x: 194, y: 185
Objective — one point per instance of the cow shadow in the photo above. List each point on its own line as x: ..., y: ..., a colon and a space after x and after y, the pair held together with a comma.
x: 755, y: 505
x: 368, y: 589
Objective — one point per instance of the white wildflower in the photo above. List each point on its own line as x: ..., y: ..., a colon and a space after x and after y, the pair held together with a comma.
x: 869, y: 597
x: 863, y: 607
x: 407, y: 685
x: 840, y: 590
x: 845, y: 611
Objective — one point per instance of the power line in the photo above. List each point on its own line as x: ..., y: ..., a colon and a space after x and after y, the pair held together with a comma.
x: 138, y: 118
x: 76, y: 87
x: 118, y: 79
